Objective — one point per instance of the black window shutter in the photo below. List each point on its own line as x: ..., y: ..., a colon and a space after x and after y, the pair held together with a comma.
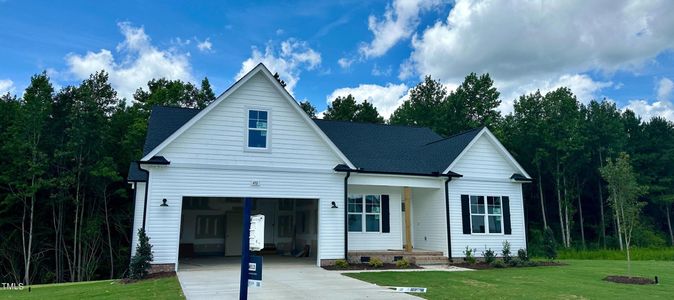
x: 385, y: 214
x: 465, y: 213
x: 505, y: 201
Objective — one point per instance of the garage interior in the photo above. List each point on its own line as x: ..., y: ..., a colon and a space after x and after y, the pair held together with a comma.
x: 211, y: 227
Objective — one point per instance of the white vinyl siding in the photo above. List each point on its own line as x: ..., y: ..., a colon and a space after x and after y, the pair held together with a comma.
x: 379, y: 240
x: 219, y: 137
x: 429, y: 223
x: 483, y: 160
x: 460, y: 186
x: 139, y: 205
x: 209, y: 159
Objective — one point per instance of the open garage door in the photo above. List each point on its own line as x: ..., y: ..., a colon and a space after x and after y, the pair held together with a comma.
x: 211, y: 228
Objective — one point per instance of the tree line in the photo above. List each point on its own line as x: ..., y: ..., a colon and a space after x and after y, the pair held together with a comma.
x: 562, y: 143
x: 66, y: 208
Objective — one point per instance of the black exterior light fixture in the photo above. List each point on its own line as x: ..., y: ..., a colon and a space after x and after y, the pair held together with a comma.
x: 163, y: 202
x: 334, y: 205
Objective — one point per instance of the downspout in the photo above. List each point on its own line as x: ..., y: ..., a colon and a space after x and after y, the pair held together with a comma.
x: 147, y: 187
x: 449, y: 235
x: 346, y: 221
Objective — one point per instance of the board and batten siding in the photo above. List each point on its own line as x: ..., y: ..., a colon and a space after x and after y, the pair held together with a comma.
x: 486, y: 172
x: 210, y: 159
x: 429, y: 223
x: 379, y: 240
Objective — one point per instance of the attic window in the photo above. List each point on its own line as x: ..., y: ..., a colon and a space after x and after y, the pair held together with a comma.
x: 258, y: 129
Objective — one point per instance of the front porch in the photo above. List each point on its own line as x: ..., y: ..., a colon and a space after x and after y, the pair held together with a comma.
x: 416, y: 256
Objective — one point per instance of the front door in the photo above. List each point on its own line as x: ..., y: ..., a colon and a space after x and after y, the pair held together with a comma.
x: 233, y: 235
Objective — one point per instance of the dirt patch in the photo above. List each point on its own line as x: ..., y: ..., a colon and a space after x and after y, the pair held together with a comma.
x: 484, y: 266
x: 149, y: 276
x: 368, y: 267
x: 629, y: 280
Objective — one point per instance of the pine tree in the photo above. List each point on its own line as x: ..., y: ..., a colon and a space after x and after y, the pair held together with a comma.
x: 140, y: 262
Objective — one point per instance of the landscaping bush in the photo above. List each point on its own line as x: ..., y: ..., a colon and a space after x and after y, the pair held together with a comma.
x: 403, y: 264
x: 468, y: 255
x: 341, y: 264
x: 506, y: 251
x: 498, y: 264
x: 489, y: 256
x: 516, y: 262
x: 549, y: 245
x: 522, y: 255
x: 376, y: 262
x: 140, y: 262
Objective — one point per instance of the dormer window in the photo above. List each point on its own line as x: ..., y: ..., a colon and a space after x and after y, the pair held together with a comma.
x: 258, y: 126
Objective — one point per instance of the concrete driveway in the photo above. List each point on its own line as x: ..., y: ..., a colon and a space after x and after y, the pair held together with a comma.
x: 282, y: 278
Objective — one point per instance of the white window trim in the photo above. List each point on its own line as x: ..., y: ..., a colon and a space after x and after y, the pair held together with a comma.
x: 246, y: 129
x: 363, y: 213
x: 486, y: 216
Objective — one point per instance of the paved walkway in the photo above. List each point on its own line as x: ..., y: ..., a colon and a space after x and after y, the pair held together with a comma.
x: 282, y: 278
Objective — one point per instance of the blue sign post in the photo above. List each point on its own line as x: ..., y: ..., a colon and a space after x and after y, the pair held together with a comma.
x: 245, y: 252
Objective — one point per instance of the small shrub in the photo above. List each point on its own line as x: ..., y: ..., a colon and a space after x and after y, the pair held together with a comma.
x: 515, y: 263
x: 403, y: 264
x: 341, y: 264
x: 376, y: 262
x: 505, y: 252
x: 522, y: 255
x: 468, y: 255
x: 549, y: 245
x: 140, y: 262
x: 489, y: 256
x: 498, y: 264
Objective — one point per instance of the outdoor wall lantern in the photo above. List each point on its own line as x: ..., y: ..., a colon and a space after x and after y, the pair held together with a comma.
x: 163, y: 202
x: 334, y: 205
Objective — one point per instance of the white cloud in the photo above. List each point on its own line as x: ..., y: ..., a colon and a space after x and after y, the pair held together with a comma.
x: 583, y: 86
x: 205, y: 46
x: 6, y: 86
x: 398, y: 23
x: 665, y: 87
x: 344, y: 62
x: 141, y: 62
x: 385, y: 98
x: 537, y: 44
x: 647, y: 110
x: 294, y: 56
x: 377, y: 71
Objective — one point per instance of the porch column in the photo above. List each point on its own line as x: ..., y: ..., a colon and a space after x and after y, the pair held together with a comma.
x: 407, y: 195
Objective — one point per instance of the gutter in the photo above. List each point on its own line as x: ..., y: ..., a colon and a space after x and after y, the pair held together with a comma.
x: 147, y: 185
x: 449, y: 235
x: 346, y: 221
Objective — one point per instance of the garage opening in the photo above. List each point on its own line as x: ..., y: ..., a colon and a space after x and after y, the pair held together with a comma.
x: 211, y: 229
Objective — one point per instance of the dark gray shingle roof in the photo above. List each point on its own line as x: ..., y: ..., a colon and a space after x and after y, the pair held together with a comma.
x: 395, y: 149
x: 370, y: 147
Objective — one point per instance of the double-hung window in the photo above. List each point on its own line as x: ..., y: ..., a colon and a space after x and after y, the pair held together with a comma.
x: 258, y: 121
x: 364, y: 213
x: 485, y: 216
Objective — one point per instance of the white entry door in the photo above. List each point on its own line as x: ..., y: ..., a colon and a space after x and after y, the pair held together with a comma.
x: 234, y: 233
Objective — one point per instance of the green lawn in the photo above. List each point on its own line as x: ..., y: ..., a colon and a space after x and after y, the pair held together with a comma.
x: 579, y: 279
x: 162, y: 288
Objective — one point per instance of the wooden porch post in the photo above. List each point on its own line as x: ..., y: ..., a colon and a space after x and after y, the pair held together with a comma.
x: 407, y: 195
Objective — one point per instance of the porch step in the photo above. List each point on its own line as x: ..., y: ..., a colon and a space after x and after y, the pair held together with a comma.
x: 422, y: 260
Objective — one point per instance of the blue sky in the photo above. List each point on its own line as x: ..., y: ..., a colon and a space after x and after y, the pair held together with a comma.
x: 377, y: 50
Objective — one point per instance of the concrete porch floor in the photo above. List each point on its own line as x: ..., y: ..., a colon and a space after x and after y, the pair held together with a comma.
x: 282, y: 278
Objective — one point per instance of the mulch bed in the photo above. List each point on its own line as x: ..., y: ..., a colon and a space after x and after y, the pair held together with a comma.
x: 630, y: 280
x: 368, y: 267
x: 149, y: 276
x: 485, y: 266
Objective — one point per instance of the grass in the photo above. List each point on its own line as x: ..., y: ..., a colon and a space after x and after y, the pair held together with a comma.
x: 635, y: 253
x: 161, y: 288
x: 579, y: 279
